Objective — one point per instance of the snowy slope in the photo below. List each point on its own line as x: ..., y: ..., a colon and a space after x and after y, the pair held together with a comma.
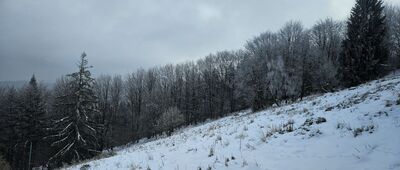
x: 362, y: 131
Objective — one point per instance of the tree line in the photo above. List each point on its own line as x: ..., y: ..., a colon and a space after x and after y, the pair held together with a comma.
x: 81, y: 116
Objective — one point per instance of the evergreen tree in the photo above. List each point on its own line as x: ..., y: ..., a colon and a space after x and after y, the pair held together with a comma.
x: 11, y: 136
x: 33, y: 118
x: 364, y: 52
x: 33, y: 109
x: 76, y: 130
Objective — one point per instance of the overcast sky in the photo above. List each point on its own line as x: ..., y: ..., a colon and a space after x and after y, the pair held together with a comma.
x: 46, y: 37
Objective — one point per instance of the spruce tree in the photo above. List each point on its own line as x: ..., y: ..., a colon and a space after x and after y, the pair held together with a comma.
x: 33, y: 110
x: 33, y: 118
x: 364, y: 52
x: 76, y: 130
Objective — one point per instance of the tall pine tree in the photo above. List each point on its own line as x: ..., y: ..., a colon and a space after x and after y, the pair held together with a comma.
x: 364, y: 52
x: 76, y: 130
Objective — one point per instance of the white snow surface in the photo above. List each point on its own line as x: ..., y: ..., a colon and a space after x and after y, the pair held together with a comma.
x: 239, y: 142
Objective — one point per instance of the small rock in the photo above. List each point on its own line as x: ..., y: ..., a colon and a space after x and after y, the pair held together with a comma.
x: 329, y: 109
x: 320, y: 120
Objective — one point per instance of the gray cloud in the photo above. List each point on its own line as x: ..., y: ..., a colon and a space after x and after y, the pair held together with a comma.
x: 46, y: 37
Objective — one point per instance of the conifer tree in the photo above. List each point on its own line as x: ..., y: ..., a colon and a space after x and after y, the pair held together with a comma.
x: 364, y: 52
x: 76, y: 130
x: 33, y: 118
x: 11, y: 134
x: 33, y: 109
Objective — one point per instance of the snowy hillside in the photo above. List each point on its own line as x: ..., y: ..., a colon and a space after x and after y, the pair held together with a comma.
x: 357, y: 128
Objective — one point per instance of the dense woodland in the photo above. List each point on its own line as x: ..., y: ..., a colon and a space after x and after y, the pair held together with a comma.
x: 82, y: 115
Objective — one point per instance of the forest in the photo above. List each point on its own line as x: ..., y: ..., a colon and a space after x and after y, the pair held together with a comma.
x: 82, y: 115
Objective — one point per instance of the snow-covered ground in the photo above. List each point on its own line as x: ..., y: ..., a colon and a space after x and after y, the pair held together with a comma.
x: 362, y: 131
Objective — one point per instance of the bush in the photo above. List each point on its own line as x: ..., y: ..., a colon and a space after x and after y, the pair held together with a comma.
x: 311, y: 121
x: 343, y: 126
x: 267, y: 135
x: 211, y: 153
x: 358, y: 131
x: 107, y: 154
x: 280, y: 129
x: 288, y: 127
x: 315, y: 132
x: 85, y: 167
x: 170, y: 119
x: 226, y: 162
x: 308, y: 122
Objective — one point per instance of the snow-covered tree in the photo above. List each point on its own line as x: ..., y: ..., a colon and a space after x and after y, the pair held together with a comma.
x: 293, y: 48
x: 326, y: 37
x: 252, y: 78
x: 170, y: 119
x: 227, y: 63
x: 393, y: 36
x: 278, y: 80
x: 76, y: 129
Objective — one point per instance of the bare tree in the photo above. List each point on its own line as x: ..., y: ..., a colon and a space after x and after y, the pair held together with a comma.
x: 135, y: 93
x: 392, y: 14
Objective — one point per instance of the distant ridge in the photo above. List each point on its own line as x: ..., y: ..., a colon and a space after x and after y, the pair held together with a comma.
x: 16, y: 84
x: 20, y: 83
